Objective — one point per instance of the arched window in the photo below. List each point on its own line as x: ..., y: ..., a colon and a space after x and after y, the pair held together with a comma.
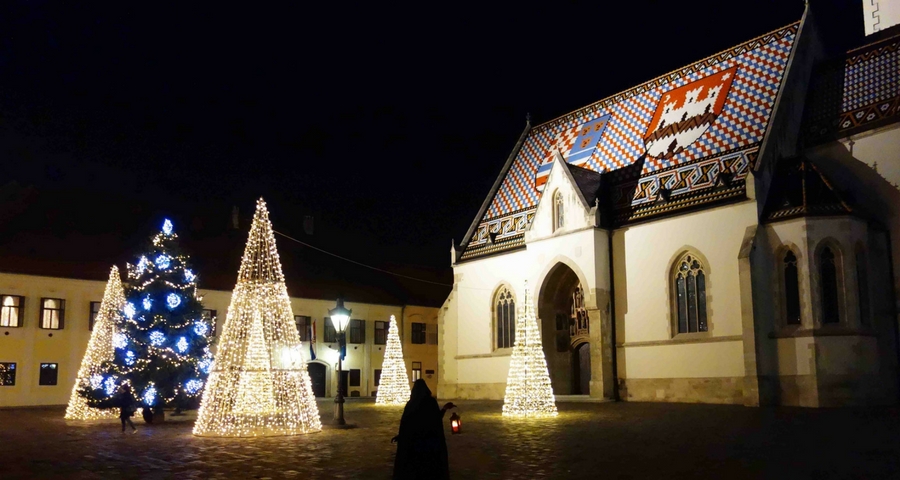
x: 829, y: 281
x: 862, y: 284
x: 505, y: 318
x: 558, y: 211
x: 690, y: 295
x: 791, y: 289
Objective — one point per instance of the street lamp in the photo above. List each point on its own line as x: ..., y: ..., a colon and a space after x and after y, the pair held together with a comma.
x: 340, y: 317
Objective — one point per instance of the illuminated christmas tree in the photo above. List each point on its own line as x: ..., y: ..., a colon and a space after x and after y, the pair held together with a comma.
x: 160, y: 343
x: 393, y: 387
x: 259, y: 384
x: 99, y: 350
x: 528, y: 390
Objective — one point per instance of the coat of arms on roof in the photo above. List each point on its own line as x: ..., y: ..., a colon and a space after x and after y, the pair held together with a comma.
x: 685, y: 113
x: 575, y: 144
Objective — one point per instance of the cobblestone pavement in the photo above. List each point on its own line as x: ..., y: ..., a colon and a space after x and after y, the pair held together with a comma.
x: 587, y: 440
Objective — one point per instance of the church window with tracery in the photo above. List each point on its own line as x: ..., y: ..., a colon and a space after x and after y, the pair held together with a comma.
x: 791, y: 289
x: 690, y: 295
x: 558, y: 211
x: 505, y: 318
x: 829, y: 285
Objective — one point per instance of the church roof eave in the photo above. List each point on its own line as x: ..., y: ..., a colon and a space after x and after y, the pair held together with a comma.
x: 497, y: 183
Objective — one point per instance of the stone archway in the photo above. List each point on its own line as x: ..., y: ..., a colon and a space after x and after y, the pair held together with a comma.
x: 565, y: 326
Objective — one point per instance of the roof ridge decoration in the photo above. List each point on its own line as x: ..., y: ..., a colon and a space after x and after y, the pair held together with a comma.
x: 717, y: 105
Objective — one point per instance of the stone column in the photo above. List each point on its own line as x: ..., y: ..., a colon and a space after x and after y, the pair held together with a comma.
x: 602, y: 348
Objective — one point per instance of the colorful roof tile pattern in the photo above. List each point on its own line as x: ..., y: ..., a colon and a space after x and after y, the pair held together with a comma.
x: 718, y: 105
x: 737, y: 118
x: 871, y: 85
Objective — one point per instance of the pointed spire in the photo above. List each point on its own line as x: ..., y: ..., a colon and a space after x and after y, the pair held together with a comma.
x: 99, y: 350
x: 261, y: 261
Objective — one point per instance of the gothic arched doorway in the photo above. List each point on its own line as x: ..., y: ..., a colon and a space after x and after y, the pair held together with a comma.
x: 565, y: 326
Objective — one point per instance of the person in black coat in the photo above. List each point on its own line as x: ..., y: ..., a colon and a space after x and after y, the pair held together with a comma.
x: 421, y: 446
x: 125, y: 402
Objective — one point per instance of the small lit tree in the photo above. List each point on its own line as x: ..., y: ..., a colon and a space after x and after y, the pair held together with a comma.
x: 528, y: 389
x: 99, y: 350
x: 259, y: 384
x: 393, y: 387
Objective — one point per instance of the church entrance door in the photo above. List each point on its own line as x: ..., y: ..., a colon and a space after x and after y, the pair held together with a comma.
x: 582, y: 374
x: 317, y: 376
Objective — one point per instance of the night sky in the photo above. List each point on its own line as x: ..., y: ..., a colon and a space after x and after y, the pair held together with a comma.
x: 387, y: 124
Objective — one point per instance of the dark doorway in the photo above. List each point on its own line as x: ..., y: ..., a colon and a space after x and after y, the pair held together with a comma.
x: 582, y: 373
x: 345, y: 381
x: 317, y: 376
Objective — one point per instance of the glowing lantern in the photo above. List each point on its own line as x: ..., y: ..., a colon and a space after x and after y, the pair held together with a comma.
x: 455, y: 423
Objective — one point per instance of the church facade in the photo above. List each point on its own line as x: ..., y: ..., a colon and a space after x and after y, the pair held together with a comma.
x: 725, y: 233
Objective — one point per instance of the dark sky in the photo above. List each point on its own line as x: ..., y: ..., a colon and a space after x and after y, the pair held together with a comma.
x: 386, y: 123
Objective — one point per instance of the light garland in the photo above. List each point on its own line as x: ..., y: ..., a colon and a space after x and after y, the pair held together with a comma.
x: 393, y: 387
x: 99, y: 350
x: 528, y: 389
x: 259, y: 385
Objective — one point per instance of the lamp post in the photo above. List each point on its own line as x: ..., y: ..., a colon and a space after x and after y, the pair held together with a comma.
x: 340, y: 317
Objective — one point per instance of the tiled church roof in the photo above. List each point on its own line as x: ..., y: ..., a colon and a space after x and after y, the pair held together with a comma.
x: 718, y: 106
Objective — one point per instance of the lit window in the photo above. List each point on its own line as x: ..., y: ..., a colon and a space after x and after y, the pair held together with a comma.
x: 7, y: 374
x: 53, y: 313
x: 95, y: 310
x: 829, y: 286
x: 416, y: 370
x: 791, y: 289
x: 690, y: 295
x: 418, y: 333
x: 49, y: 374
x: 381, y: 329
x: 11, y: 310
x: 505, y: 318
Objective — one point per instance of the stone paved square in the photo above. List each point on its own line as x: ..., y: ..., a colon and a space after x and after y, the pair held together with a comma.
x: 587, y: 440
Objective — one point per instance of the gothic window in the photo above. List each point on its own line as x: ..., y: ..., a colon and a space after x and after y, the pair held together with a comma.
x: 558, y: 211
x: 862, y: 284
x: 690, y: 295
x: 505, y: 318
x: 791, y: 289
x: 829, y: 283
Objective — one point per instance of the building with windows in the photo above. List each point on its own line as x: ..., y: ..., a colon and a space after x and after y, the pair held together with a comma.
x: 46, y: 322
x: 726, y: 233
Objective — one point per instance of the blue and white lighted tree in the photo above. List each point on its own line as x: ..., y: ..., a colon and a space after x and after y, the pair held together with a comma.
x: 161, y: 348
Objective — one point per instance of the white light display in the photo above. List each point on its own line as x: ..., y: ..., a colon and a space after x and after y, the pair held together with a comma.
x: 253, y: 388
x: 163, y: 261
x: 528, y: 389
x: 189, y: 275
x: 148, y: 303
x: 205, y: 365
x: 99, y: 350
x: 130, y: 310
x: 109, y: 385
x: 142, y: 265
x: 201, y: 328
x: 393, y: 387
x: 181, y: 345
x: 150, y: 395
x: 157, y: 338
x: 193, y: 386
x: 167, y: 227
x: 119, y: 340
x: 173, y: 300
x: 129, y: 358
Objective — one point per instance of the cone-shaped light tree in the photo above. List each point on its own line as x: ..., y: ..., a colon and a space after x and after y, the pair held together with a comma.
x: 528, y: 390
x: 259, y: 385
x: 99, y: 350
x: 393, y: 387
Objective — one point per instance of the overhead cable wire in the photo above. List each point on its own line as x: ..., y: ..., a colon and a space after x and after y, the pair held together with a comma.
x: 361, y: 264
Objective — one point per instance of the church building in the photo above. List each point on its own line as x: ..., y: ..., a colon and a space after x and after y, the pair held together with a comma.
x: 728, y: 232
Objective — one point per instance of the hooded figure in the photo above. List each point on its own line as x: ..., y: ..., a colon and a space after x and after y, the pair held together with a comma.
x: 421, y: 447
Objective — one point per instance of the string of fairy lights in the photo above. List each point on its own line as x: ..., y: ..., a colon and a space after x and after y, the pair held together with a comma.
x: 259, y: 385
x: 528, y: 389
x: 99, y: 350
x: 393, y: 386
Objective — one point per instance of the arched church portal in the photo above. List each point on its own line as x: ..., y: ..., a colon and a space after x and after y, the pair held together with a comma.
x: 565, y: 331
